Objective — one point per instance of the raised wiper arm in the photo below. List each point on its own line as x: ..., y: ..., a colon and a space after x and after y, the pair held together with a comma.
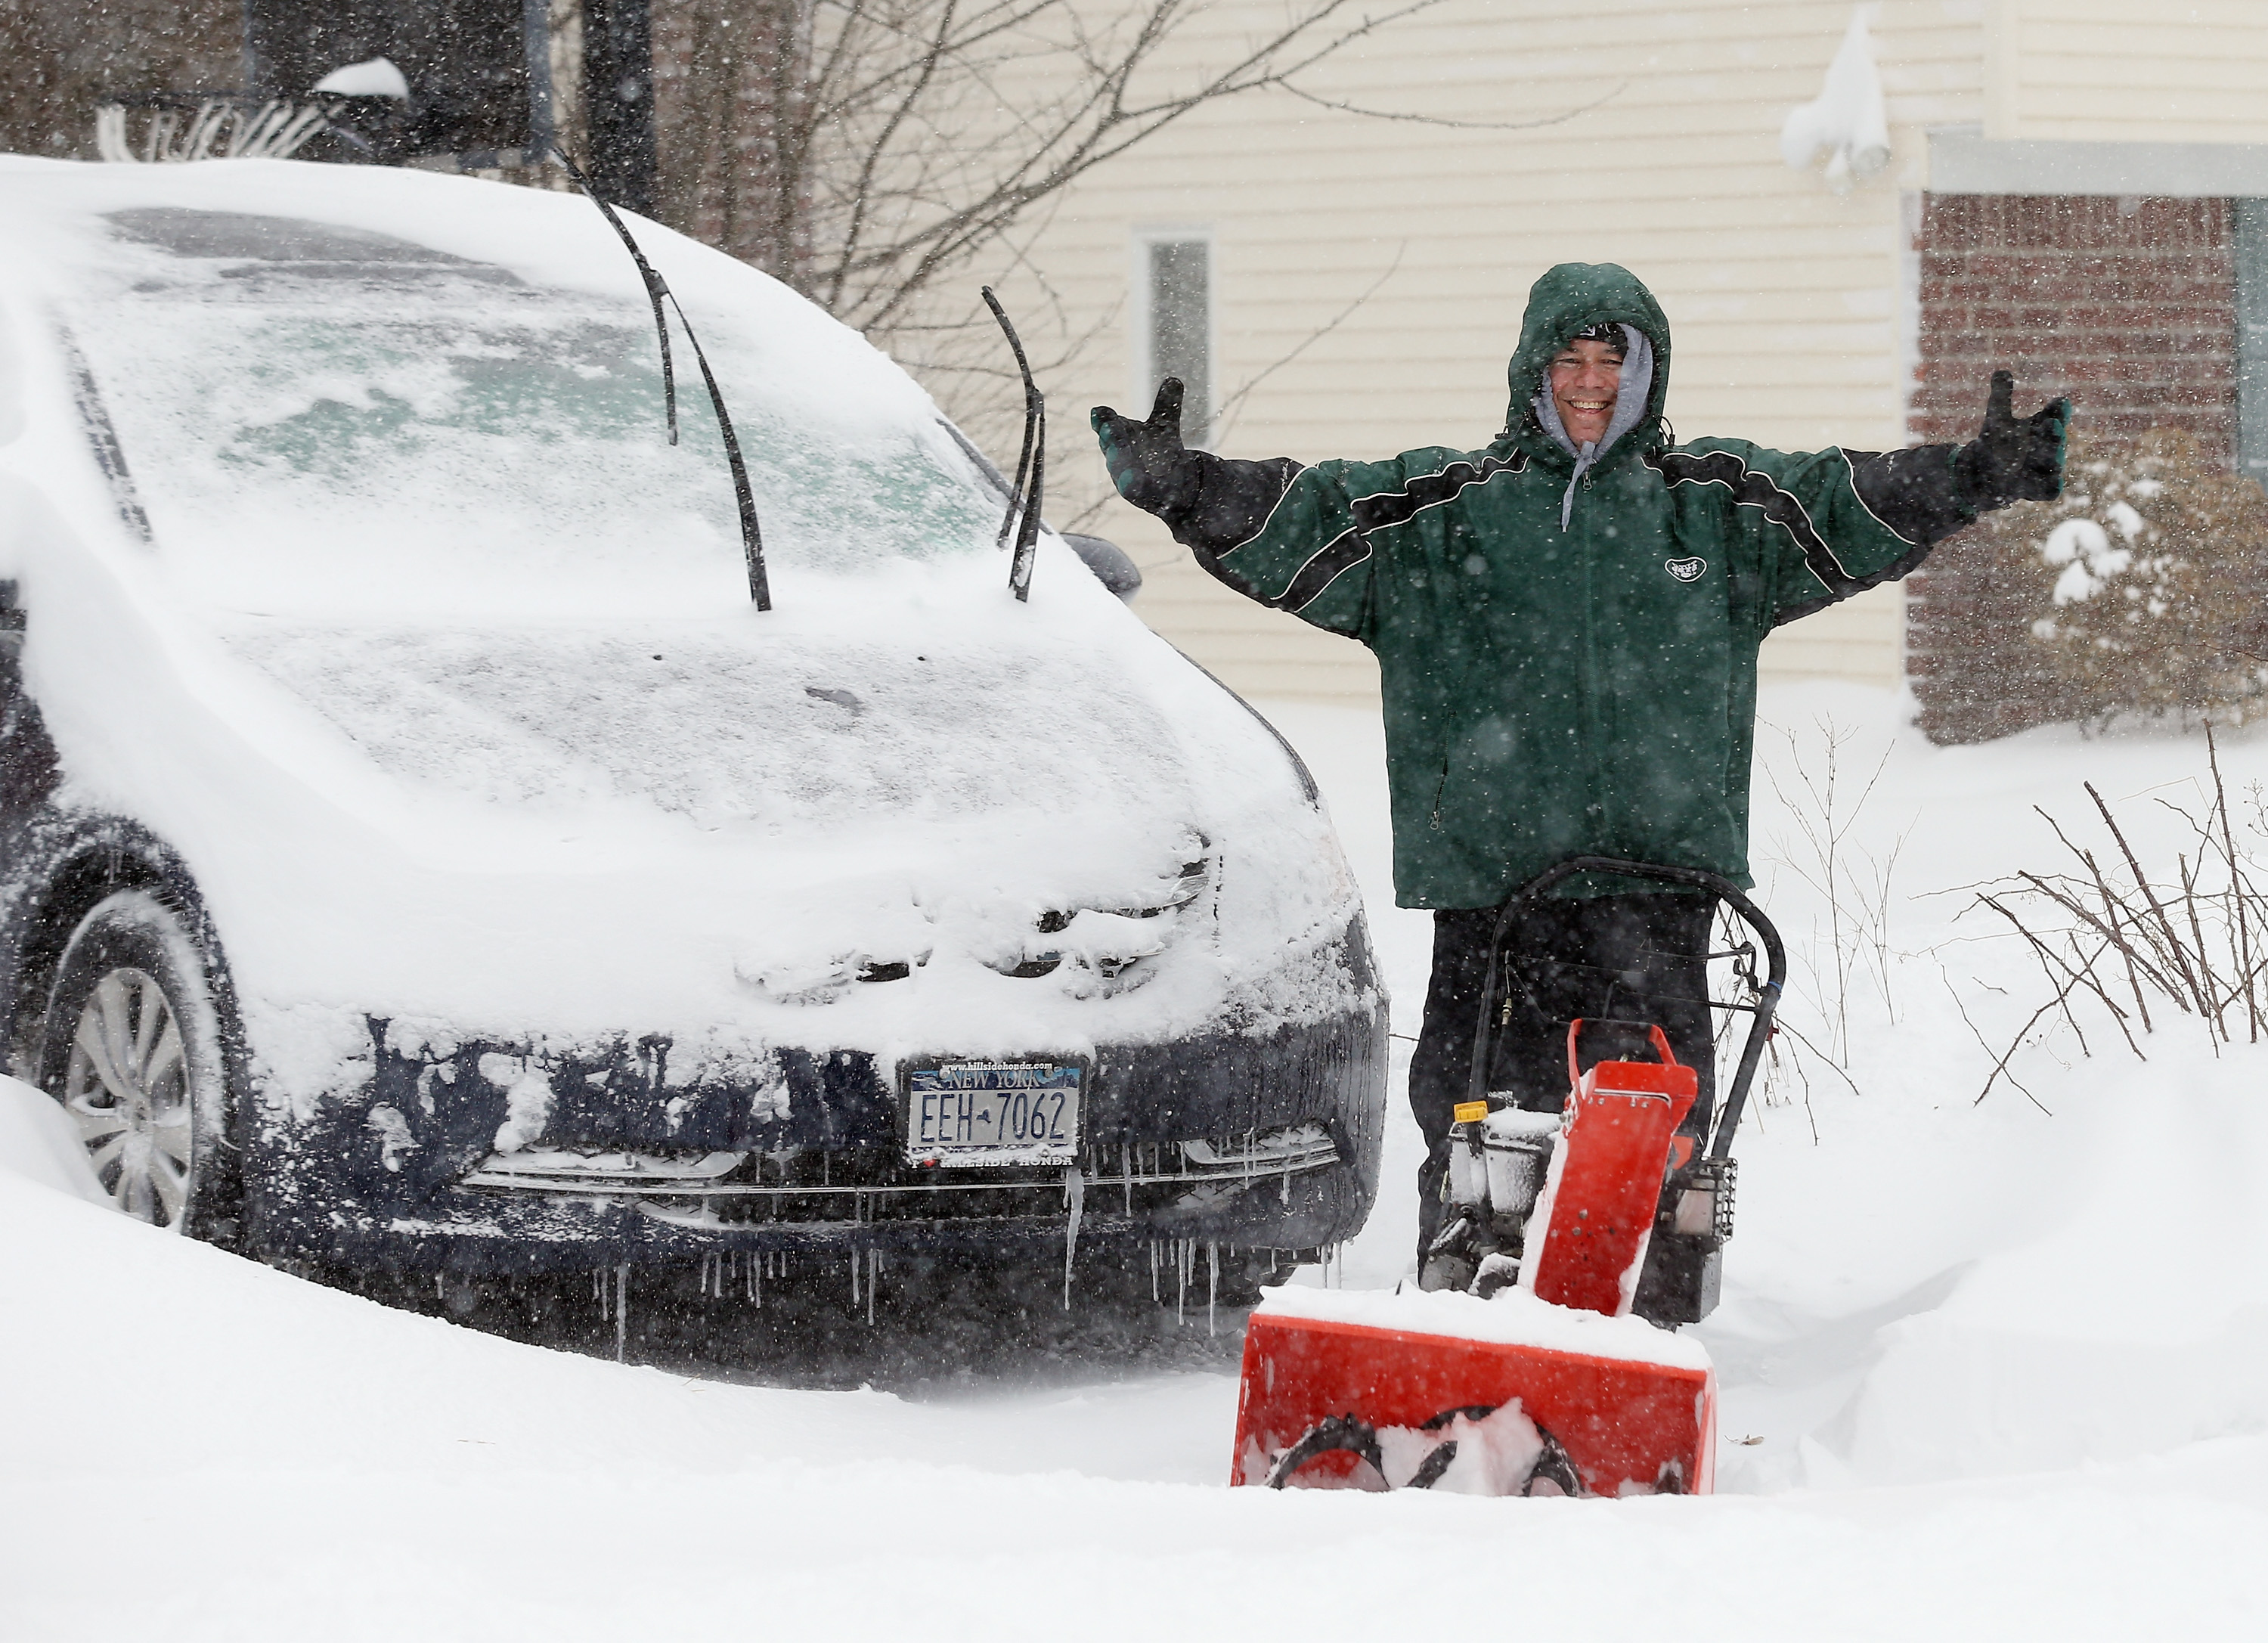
x: 752, y: 541
x: 1031, y: 463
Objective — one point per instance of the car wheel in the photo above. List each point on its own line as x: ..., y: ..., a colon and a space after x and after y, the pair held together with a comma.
x: 133, y: 1052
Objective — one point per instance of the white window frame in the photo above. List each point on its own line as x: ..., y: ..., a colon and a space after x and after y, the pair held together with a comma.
x: 1195, y: 416
x: 2248, y: 233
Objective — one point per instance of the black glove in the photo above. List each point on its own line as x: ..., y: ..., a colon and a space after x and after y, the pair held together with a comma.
x: 2010, y: 460
x: 1146, y: 459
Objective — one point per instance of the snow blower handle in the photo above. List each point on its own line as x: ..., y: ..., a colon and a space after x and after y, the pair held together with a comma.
x: 1575, y: 1030
x: 1768, y: 994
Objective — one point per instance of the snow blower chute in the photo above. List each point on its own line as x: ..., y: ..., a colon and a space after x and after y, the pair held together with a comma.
x: 1594, y: 1227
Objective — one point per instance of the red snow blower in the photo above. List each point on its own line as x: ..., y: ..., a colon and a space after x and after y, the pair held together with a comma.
x: 1594, y: 1226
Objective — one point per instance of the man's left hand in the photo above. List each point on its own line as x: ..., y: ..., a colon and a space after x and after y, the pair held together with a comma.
x: 2012, y: 460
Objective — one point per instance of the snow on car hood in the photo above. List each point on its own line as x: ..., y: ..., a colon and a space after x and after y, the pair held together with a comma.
x: 501, y: 748
x: 740, y: 726
x: 546, y: 833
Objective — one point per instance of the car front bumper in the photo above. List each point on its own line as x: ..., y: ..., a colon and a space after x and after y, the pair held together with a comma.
x: 1250, y: 1141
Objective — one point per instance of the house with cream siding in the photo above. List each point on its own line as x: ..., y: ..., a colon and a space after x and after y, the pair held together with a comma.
x: 1850, y: 213
x: 2063, y: 186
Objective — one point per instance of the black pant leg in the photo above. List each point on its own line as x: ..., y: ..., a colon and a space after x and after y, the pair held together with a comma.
x: 1551, y: 951
x: 1440, y: 1068
x: 1640, y: 957
x: 1674, y: 964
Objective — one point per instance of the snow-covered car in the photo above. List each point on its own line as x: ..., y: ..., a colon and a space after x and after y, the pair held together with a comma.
x: 415, y: 849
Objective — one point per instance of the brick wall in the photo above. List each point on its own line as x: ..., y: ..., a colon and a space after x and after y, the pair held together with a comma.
x: 2126, y: 306
x: 731, y: 129
x: 59, y: 58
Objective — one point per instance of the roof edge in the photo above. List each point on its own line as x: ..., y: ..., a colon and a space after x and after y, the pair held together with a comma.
x: 1962, y: 161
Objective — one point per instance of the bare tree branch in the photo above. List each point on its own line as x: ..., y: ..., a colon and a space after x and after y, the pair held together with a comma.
x: 1227, y: 414
x: 1455, y: 125
x: 924, y: 155
x: 871, y: 152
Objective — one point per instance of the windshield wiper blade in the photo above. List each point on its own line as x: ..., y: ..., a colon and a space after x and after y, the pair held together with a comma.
x: 752, y: 541
x: 1031, y: 463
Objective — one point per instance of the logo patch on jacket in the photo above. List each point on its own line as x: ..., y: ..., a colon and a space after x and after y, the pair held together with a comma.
x: 1685, y: 569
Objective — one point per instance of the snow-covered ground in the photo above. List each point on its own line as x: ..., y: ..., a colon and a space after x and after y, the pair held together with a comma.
x: 1989, y: 1369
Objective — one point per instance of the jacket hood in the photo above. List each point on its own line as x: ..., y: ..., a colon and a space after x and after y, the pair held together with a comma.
x: 1563, y: 301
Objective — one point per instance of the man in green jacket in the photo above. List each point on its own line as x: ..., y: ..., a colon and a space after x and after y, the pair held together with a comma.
x: 1566, y: 625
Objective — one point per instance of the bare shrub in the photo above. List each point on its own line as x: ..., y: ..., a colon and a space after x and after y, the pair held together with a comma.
x: 1847, y: 953
x: 1852, y: 883
x: 2135, y: 946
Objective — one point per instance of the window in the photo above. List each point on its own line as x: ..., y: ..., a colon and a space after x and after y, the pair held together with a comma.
x: 1176, y: 273
x: 2249, y: 231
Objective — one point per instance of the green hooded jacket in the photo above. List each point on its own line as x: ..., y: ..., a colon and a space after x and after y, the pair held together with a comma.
x: 1557, y: 690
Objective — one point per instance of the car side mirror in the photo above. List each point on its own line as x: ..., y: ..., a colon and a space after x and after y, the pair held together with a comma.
x: 1109, y: 563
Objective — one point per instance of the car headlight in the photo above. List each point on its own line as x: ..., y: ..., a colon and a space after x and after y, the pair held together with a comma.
x: 1108, y: 941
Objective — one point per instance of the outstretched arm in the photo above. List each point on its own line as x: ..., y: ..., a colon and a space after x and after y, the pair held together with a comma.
x: 1274, y: 531
x: 1836, y: 522
x: 1926, y: 492
x: 1211, y: 502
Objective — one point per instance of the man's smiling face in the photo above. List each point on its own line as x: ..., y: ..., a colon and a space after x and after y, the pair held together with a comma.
x: 1585, y: 376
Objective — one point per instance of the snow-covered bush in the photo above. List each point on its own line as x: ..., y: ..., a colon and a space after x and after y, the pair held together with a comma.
x: 2146, y: 585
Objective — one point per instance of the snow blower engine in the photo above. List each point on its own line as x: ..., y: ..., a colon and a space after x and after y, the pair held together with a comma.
x: 1541, y: 1356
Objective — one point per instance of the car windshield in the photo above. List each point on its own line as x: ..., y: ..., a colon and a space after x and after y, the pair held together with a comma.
x: 318, y: 417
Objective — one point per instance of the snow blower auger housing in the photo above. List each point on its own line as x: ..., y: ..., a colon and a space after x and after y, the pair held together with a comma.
x: 1585, y: 1232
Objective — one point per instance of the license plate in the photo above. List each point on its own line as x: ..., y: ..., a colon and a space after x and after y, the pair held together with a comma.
x: 972, y: 1114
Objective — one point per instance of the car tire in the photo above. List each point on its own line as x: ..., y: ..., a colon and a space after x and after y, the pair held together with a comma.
x: 132, y: 1048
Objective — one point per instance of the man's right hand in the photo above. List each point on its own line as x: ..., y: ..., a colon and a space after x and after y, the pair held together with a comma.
x: 1146, y: 459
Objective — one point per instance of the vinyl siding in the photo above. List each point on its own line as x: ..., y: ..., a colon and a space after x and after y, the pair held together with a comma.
x: 2107, y: 70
